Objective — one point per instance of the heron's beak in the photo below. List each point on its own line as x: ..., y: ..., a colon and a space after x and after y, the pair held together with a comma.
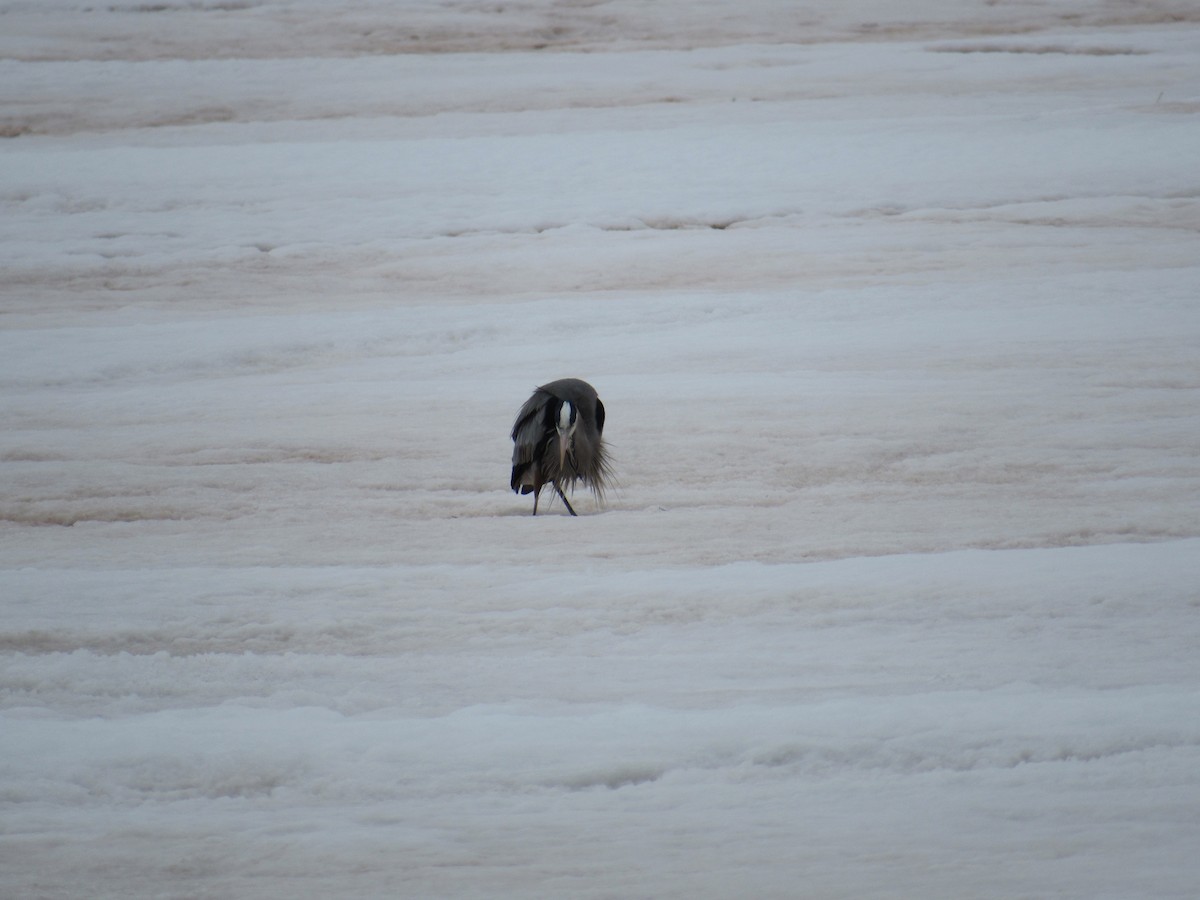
x: 564, y: 442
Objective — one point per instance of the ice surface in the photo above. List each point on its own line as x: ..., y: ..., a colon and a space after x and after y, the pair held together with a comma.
x: 893, y: 308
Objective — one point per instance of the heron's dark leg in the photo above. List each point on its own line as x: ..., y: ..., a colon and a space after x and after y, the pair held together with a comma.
x: 536, y: 494
x: 565, y: 500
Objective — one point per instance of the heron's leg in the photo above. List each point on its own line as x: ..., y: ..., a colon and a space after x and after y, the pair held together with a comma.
x: 536, y: 494
x: 565, y: 500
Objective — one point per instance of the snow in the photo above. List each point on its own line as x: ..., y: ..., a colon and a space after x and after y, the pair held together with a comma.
x: 893, y: 311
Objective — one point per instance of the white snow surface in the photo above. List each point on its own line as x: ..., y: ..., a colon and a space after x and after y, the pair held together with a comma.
x: 895, y: 311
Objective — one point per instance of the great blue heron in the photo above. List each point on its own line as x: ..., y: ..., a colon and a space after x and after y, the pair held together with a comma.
x: 557, y: 440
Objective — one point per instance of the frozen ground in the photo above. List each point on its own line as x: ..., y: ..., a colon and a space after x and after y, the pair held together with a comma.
x: 894, y: 309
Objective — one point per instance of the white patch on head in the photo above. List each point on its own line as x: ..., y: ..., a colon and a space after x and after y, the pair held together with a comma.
x: 564, y: 417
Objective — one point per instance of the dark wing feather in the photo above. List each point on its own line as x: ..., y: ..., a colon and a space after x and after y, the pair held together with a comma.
x: 529, y: 437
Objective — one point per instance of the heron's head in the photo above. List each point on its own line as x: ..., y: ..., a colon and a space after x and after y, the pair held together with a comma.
x: 568, y: 419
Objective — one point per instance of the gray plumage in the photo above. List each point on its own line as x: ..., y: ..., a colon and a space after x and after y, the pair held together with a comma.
x: 557, y: 439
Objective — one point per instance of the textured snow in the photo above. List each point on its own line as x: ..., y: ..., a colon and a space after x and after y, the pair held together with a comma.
x: 893, y: 308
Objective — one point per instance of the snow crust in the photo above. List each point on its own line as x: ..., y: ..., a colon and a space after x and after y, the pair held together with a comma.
x: 893, y: 309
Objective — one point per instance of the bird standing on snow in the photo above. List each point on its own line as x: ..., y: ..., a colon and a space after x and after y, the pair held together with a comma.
x: 557, y: 440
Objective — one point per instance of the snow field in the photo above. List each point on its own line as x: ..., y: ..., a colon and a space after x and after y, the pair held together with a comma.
x: 894, y: 315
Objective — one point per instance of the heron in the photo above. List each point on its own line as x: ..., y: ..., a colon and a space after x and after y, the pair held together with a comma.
x: 557, y: 440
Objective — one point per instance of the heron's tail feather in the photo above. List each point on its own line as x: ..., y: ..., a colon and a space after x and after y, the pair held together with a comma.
x: 526, y: 478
